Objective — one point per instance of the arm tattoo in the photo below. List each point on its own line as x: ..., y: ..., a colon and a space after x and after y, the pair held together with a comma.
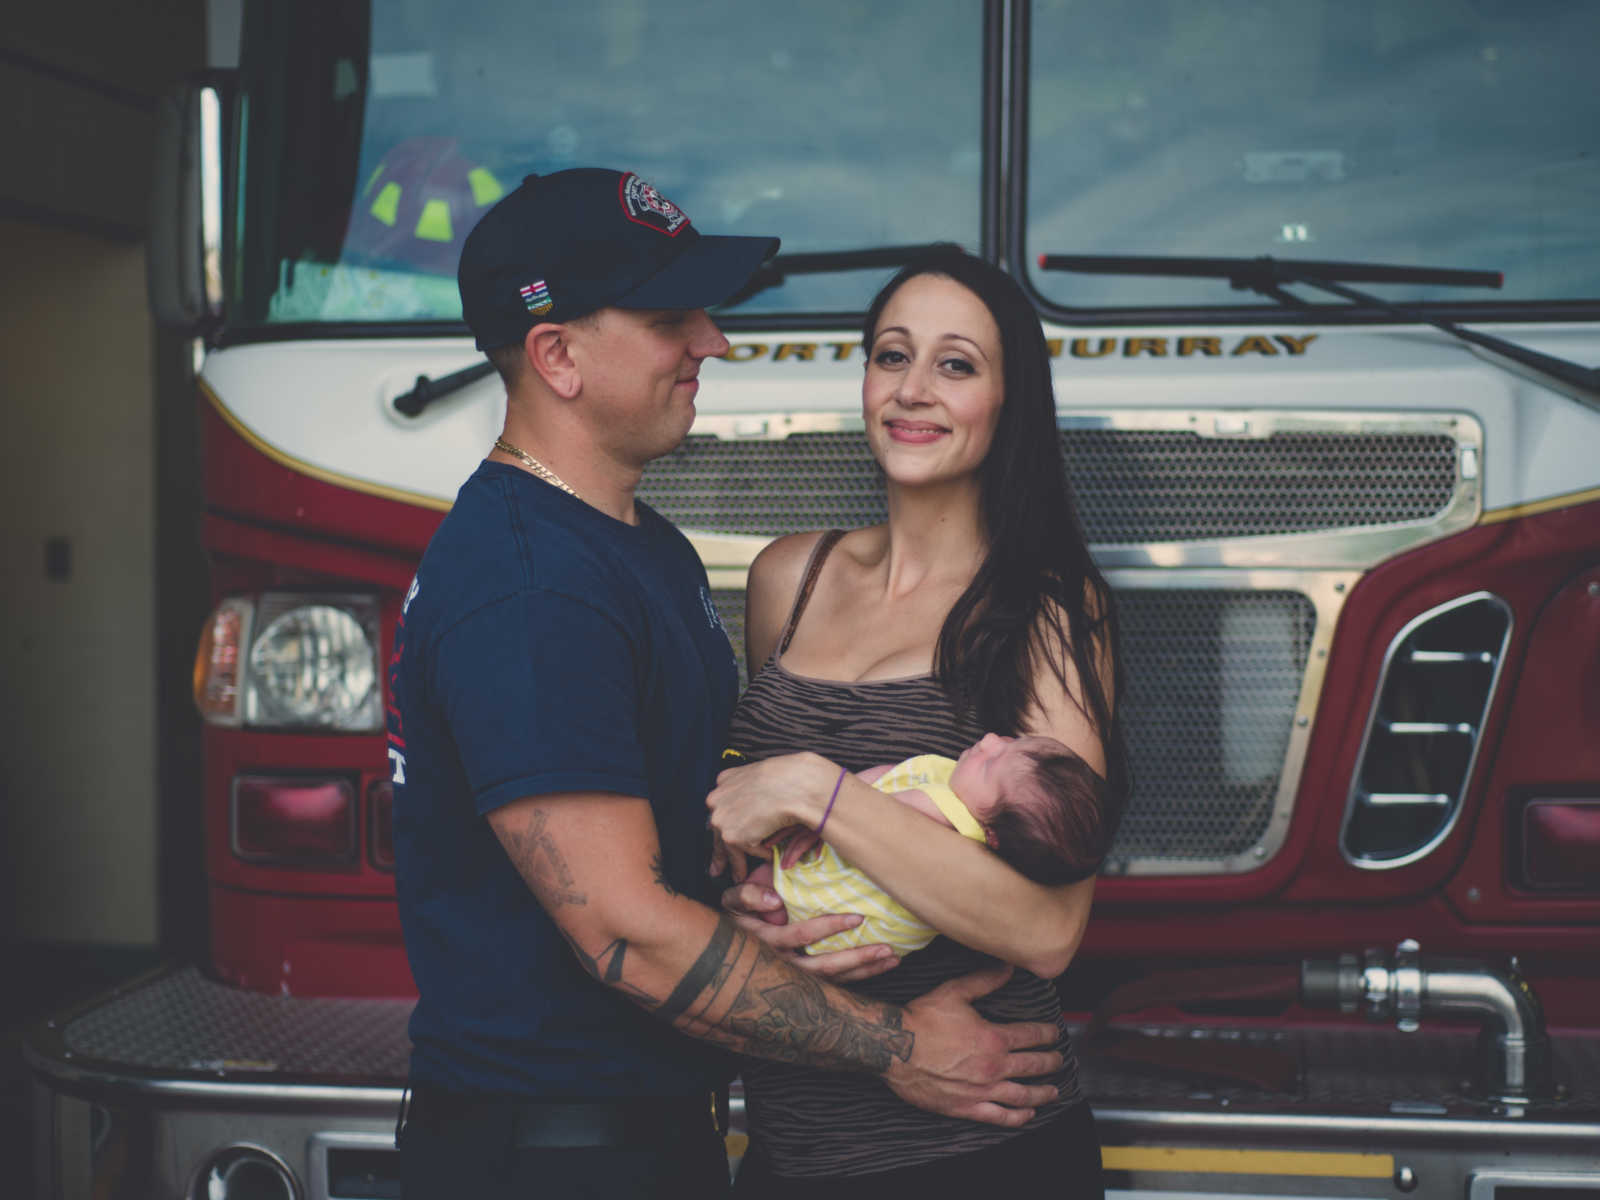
x: 793, y: 1022
x: 534, y: 851
x: 661, y: 876
x: 611, y: 961
x: 780, y: 1012
x: 607, y: 968
x: 696, y: 979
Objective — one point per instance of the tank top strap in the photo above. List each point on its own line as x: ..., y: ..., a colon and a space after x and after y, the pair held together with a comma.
x: 819, y: 554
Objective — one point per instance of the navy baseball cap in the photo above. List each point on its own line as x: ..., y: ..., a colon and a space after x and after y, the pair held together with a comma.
x: 561, y: 246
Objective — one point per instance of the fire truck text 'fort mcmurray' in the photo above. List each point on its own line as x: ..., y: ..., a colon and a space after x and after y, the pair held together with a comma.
x: 1322, y: 293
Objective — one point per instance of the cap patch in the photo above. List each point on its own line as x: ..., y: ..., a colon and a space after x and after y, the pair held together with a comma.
x: 537, y: 297
x: 643, y: 205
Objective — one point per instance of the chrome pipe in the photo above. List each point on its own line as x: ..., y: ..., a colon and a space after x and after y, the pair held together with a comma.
x: 1514, y: 1056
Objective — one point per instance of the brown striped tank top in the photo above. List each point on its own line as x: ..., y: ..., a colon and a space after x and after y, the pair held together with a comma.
x: 811, y: 1122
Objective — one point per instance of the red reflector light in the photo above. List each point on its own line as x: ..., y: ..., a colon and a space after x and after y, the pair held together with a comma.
x: 294, y: 822
x: 380, y: 824
x: 1561, y: 845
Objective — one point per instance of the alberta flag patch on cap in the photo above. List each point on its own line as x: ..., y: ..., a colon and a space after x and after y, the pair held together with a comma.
x: 537, y: 297
x: 643, y: 205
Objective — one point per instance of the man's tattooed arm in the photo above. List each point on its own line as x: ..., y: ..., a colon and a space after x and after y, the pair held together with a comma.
x: 631, y: 931
x: 740, y: 994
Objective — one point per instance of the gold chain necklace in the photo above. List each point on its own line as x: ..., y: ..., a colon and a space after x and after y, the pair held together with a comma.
x: 534, y: 465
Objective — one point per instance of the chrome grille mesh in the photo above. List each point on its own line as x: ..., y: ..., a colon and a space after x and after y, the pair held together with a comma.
x: 1159, y: 485
x: 1213, y: 678
x: 1132, y: 485
x: 766, y: 488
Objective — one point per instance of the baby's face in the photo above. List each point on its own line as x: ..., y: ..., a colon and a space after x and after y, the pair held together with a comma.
x: 996, y: 766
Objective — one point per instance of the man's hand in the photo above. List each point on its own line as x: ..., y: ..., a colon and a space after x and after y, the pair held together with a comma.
x: 759, y: 911
x: 964, y: 1066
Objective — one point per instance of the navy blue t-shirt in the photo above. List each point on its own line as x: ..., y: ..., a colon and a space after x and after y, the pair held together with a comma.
x: 545, y: 647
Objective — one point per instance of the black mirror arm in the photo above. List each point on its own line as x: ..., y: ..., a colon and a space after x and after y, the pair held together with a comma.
x: 427, y: 390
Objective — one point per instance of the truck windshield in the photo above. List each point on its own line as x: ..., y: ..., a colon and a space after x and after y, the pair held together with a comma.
x: 375, y: 132
x: 1446, y: 133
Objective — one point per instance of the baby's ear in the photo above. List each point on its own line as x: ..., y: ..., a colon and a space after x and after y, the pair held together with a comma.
x: 989, y: 837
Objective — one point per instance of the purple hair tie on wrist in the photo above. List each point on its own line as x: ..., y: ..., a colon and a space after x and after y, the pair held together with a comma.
x: 827, y: 812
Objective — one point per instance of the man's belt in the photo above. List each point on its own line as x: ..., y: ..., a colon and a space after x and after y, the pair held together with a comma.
x: 573, y: 1124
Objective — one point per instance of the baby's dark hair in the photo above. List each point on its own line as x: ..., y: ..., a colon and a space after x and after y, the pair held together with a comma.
x: 1061, y: 831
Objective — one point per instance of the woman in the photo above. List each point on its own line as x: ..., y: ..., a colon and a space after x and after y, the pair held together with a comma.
x: 974, y: 607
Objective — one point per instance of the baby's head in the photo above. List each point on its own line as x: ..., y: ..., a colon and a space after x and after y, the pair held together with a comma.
x: 1045, y: 810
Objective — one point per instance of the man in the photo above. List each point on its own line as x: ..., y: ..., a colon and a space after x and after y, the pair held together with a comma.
x: 560, y: 689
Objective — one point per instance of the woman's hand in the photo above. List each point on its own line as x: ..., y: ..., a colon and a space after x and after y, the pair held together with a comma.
x: 759, y: 911
x: 751, y: 804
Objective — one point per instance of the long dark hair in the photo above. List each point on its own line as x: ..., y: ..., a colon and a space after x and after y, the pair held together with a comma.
x: 1038, y: 597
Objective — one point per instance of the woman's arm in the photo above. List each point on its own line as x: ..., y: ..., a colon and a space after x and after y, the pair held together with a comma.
x: 954, y: 884
x: 959, y: 887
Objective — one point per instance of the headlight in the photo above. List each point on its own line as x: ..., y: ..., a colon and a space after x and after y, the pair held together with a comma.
x: 311, y: 663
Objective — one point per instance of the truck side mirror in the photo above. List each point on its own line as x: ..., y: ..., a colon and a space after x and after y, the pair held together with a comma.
x: 184, y: 264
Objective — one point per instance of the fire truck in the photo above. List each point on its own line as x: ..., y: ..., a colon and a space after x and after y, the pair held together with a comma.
x: 1321, y: 286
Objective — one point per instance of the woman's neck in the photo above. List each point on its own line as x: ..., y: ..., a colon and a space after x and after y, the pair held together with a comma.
x: 931, y: 535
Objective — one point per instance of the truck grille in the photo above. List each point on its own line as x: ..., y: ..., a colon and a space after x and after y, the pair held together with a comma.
x: 1132, y: 485
x: 1222, y: 663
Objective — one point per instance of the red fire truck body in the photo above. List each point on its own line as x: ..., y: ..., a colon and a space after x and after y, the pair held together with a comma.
x: 1348, y: 942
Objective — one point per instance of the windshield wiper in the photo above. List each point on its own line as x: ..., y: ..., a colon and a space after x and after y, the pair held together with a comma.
x: 776, y: 271
x: 1267, y: 276
x: 427, y: 390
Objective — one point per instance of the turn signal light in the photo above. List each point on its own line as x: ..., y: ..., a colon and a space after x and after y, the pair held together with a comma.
x: 217, y: 666
x: 294, y: 822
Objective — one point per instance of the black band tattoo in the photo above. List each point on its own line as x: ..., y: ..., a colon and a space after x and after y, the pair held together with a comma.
x: 696, y: 979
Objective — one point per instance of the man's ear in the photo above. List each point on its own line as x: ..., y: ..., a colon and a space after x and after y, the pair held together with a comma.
x: 549, y: 355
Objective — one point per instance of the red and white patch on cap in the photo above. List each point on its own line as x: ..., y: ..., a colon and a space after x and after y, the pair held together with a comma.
x: 643, y: 205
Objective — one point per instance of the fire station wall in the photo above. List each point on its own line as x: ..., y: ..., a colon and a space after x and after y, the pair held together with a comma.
x: 77, y: 761
x: 89, y: 466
